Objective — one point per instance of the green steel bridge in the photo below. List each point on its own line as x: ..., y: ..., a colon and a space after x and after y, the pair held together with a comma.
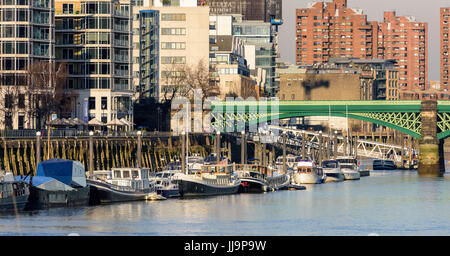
x: 404, y: 116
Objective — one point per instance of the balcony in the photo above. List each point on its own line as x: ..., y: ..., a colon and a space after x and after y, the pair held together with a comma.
x: 118, y: 42
x: 122, y: 58
x: 122, y: 13
x: 124, y: 28
x: 119, y: 72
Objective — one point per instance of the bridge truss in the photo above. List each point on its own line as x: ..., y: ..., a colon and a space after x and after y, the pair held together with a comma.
x: 403, y: 116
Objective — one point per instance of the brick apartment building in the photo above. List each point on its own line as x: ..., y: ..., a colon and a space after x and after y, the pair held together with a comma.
x: 445, y: 21
x: 327, y: 30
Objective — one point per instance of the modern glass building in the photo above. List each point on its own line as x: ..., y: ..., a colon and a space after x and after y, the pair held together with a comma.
x: 258, y: 34
x: 94, y: 39
x: 149, y: 54
x: 27, y: 36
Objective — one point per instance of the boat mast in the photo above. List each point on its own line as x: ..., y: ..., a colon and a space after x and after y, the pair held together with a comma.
x: 187, y: 138
x: 346, y: 122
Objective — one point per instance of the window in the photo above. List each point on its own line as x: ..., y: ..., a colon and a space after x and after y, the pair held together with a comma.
x: 173, y: 31
x: 8, y: 63
x: 126, y: 174
x: 21, y: 101
x: 104, y: 8
x: 22, y: 14
x: 68, y: 8
x: 68, y: 54
x: 8, y: 31
x: 21, y: 122
x: 104, y: 54
x: 173, y: 60
x: 8, y: 121
x: 8, y: 47
x: 104, y: 118
x: 104, y: 103
x: 91, y: 103
x: 21, y: 64
x: 9, y: 101
x: 117, y: 174
x: 173, y: 17
x: 8, y: 14
x: 174, y: 45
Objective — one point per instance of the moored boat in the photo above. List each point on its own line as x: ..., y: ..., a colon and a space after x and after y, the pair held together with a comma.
x: 349, y: 168
x: 120, y: 185
x: 58, y: 182
x: 332, y: 170
x: 210, y: 180
x: 13, y: 193
x: 253, y: 178
x: 291, y: 161
x: 307, y: 172
x: 278, y: 180
x: 164, y: 183
x: 385, y: 164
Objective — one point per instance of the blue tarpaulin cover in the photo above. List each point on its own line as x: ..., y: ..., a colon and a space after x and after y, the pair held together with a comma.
x: 59, y: 169
x: 37, y: 180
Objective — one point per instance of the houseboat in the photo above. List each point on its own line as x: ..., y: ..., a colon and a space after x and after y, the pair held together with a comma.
x: 57, y: 183
x: 120, y: 185
x: 13, y: 193
x: 210, y: 180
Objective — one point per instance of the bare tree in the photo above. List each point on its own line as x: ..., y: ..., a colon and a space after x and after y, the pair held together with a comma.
x: 174, y: 84
x: 11, y: 98
x: 201, y: 77
x: 182, y: 79
x: 46, y: 91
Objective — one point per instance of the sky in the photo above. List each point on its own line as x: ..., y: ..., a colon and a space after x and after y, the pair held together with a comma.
x: 424, y: 11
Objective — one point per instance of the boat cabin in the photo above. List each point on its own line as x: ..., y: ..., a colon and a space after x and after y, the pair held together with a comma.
x: 130, y: 173
x: 136, y: 178
x: 101, y: 174
x: 306, y: 163
x: 173, y: 166
x: 348, y: 162
x: 308, y: 167
x: 10, y: 188
x: 289, y: 159
x: 311, y: 170
x: 251, y: 171
x: 224, y: 169
x: 330, y: 164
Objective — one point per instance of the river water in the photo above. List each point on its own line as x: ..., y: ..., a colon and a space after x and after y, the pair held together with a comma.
x: 386, y: 203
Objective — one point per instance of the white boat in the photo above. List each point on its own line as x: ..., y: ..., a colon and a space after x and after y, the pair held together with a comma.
x: 119, y: 185
x: 308, y: 172
x: 349, y: 168
x: 164, y: 183
x: 332, y: 170
x: 291, y: 162
x: 195, y: 162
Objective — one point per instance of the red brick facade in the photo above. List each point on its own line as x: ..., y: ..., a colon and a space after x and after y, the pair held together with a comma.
x: 445, y: 22
x: 332, y: 30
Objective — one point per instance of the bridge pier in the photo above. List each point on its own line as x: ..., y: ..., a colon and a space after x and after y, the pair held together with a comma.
x: 431, y: 157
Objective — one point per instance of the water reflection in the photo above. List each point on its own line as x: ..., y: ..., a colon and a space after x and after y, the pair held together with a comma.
x: 385, y: 203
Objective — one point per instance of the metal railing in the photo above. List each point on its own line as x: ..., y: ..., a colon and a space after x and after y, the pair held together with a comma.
x: 68, y: 133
